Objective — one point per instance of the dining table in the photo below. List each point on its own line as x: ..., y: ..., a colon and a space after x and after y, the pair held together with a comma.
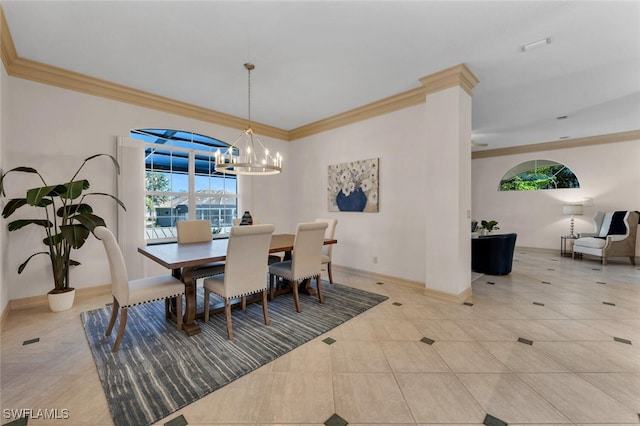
x: 183, y: 259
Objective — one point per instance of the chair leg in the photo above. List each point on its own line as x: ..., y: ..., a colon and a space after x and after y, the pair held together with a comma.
x: 244, y: 304
x: 227, y: 312
x: 167, y: 313
x: 272, y: 288
x: 604, y: 261
x: 123, y: 324
x: 265, y: 310
x: 329, y: 272
x: 179, y: 312
x: 320, y: 297
x: 206, y: 305
x: 633, y: 260
x: 114, y: 314
x: 296, y: 299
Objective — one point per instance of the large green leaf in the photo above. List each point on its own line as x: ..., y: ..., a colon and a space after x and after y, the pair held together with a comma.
x: 113, y: 160
x: 117, y: 200
x: 17, y: 224
x: 35, y: 195
x: 55, y: 239
x: 75, y: 235
x: 17, y: 169
x: 13, y: 205
x: 90, y: 221
x: 74, y: 209
x: 24, y: 264
x: 74, y: 189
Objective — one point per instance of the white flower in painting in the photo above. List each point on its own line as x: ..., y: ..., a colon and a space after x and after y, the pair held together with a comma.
x: 345, y: 177
x: 366, y: 185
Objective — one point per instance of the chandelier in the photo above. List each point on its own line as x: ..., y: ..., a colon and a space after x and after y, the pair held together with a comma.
x: 248, y: 155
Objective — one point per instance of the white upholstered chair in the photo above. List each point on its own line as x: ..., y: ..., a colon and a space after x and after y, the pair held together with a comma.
x: 273, y: 258
x: 327, y: 250
x: 198, y: 231
x: 305, y: 262
x: 245, y: 271
x: 135, y: 292
x: 614, y: 236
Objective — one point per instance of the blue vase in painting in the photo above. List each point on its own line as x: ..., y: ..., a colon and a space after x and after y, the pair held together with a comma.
x: 354, y: 202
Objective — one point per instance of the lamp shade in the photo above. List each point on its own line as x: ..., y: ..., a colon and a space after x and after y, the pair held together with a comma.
x: 572, y: 210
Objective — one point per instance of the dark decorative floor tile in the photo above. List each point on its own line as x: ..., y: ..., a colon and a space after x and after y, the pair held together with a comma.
x: 538, y: 303
x: 468, y: 303
x: 379, y: 283
x: 336, y: 420
x: 178, y: 421
x: 30, y: 341
x: 489, y: 420
x: 621, y: 340
x: 609, y: 303
x: 490, y: 282
x: 22, y: 421
x: 554, y: 260
x: 525, y: 341
x: 600, y: 282
x: 596, y: 269
x: 545, y: 282
x: 427, y: 341
x: 329, y: 341
x: 550, y: 269
x: 397, y: 304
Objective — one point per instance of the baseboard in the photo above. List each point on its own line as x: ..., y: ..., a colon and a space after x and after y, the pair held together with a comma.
x: 435, y: 294
x: 42, y: 300
x: 449, y: 297
x: 378, y: 277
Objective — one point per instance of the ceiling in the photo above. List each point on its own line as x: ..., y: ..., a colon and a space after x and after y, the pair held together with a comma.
x: 318, y: 59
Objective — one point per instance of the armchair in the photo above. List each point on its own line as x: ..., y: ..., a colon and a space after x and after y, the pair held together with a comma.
x: 614, y: 236
x: 493, y: 254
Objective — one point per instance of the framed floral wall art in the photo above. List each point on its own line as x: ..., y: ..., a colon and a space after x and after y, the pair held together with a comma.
x: 353, y: 186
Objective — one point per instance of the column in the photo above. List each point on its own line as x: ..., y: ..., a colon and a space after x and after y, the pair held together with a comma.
x: 448, y: 186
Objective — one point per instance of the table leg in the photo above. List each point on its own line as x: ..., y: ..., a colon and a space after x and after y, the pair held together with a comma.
x: 189, y: 324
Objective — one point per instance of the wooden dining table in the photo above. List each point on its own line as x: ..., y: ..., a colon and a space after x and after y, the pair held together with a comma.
x: 183, y: 259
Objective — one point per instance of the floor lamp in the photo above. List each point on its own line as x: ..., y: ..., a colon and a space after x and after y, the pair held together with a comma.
x: 572, y: 210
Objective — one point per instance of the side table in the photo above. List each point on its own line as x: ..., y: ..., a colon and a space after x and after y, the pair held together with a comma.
x: 566, y: 244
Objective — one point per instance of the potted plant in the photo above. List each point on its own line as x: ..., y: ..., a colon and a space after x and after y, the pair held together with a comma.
x: 489, y: 225
x: 67, y: 221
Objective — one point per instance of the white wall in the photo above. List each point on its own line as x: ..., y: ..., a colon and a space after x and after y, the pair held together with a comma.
x: 53, y: 130
x: 608, y: 173
x: 4, y: 286
x: 396, y: 234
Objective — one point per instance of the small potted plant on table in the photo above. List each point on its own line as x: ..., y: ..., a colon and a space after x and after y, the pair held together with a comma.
x: 488, y: 226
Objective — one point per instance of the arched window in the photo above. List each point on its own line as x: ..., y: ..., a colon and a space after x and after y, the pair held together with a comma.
x: 538, y: 174
x: 181, y: 182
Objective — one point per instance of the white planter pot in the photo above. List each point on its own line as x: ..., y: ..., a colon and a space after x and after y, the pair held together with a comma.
x: 61, y: 301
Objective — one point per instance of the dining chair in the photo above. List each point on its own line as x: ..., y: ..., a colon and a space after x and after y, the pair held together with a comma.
x: 327, y: 250
x: 245, y: 271
x: 273, y: 258
x: 305, y: 262
x: 127, y: 293
x: 198, y: 231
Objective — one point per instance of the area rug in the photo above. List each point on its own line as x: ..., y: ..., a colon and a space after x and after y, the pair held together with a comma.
x: 159, y: 370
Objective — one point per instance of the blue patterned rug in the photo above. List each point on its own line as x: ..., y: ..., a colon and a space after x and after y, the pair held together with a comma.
x: 159, y: 370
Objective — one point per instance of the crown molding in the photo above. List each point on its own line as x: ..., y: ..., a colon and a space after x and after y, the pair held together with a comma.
x: 563, y: 144
x: 381, y: 107
x: 458, y: 75
x: 15, y: 66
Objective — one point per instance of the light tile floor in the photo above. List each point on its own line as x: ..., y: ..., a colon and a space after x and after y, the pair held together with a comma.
x: 380, y: 372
